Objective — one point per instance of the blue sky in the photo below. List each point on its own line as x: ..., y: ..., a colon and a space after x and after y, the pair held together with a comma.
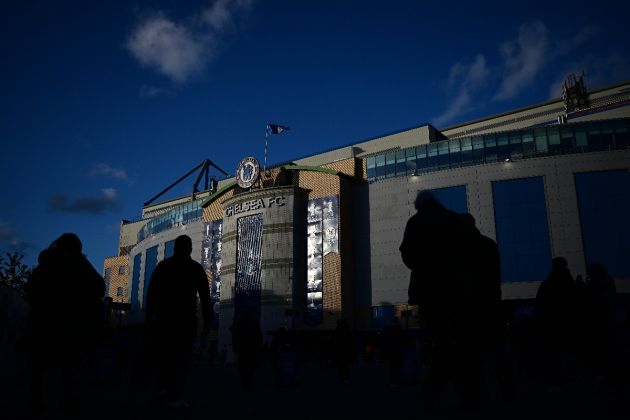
x: 103, y: 104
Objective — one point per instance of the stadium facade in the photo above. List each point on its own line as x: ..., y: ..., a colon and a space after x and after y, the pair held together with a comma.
x: 307, y: 242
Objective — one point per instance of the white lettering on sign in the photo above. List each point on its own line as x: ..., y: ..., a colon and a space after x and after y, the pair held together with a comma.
x: 255, y: 204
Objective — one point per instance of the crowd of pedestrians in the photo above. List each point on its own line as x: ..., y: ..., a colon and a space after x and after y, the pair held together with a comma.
x: 455, y: 281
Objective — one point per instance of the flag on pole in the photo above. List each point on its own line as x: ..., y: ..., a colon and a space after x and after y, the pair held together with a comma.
x: 276, y: 128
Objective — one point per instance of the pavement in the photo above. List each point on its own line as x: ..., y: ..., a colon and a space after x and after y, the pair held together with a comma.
x: 214, y: 392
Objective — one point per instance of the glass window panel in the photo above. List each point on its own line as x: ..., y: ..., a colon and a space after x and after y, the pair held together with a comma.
x: 529, y: 147
x: 622, y: 136
x: 541, y: 141
x: 522, y: 229
x: 380, y: 166
x: 454, y: 146
x: 371, y: 168
x: 491, y: 148
x: 453, y: 198
x: 390, y: 165
x: 443, y: 159
x: 566, y: 138
x: 580, y: 136
x: 150, y: 262
x: 455, y: 154
x: 421, y: 158
x: 401, y: 163
x: 604, y: 204
x: 607, y: 139
x: 478, y: 149
x: 135, y: 283
x: 432, y: 152
x: 467, y: 156
x: 516, y: 147
x: 553, y: 134
x: 169, y: 248
x: 503, y: 146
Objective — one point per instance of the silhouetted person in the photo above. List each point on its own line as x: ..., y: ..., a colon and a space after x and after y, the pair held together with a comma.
x: 434, y: 248
x: 393, y: 340
x: 343, y: 349
x: 171, y: 316
x: 284, y: 357
x: 600, y: 328
x: 247, y: 344
x: 65, y: 294
x: 556, y: 311
x: 488, y: 343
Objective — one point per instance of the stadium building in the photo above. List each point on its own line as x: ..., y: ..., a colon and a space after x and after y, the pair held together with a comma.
x: 304, y: 243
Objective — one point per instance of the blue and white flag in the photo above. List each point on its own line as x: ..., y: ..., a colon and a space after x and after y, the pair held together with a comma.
x: 276, y: 128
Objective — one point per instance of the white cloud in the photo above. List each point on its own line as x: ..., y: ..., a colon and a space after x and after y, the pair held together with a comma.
x: 464, y: 80
x: 170, y: 48
x: 523, y: 59
x: 181, y: 51
x: 222, y: 13
x: 105, y: 169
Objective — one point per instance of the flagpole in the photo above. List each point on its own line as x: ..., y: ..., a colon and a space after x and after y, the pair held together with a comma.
x: 266, y: 147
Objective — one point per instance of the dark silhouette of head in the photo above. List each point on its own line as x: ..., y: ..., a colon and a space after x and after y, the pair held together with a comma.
x: 467, y: 219
x: 67, y: 244
x: 183, y: 246
x: 426, y: 201
x: 597, y: 273
x: 559, y: 264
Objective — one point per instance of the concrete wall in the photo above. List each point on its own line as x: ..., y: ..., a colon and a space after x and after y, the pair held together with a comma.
x: 391, y: 204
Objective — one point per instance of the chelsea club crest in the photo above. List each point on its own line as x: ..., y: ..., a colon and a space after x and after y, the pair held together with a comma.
x: 247, y: 172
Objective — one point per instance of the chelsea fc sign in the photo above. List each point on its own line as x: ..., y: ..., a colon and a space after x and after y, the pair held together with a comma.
x: 247, y: 172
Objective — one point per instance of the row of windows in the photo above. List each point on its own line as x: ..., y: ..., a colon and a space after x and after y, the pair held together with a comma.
x: 522, y: 229
x: 178, y: 216
x: 497, y: 147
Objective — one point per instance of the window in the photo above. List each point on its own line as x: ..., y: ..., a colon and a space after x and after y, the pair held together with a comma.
x: 390, y: 165
x: 135, y: 282
x: 604, y: 203
x: 380, y: 166
x: 421, y: 158
x: 453, y: 198
x: 522, y: 229
x: 107, y: 277
x: 455, y: 151
x: 467, y: 151
x: 478, y: 147
x: 169, y: 249
x: 529, y: 148
x: 121, y: 269
x: 401, y: 163
x: 410, y: 155
x: 622, y: 139
x: 516, y: 147
x: 554, y: 140
x: 541, y: 141
x: 503, y: 146
x: 150, y: 261
x: 432, y: 159
x: 490, y: 144
x: 371, y: 168
x: 120, y: 292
